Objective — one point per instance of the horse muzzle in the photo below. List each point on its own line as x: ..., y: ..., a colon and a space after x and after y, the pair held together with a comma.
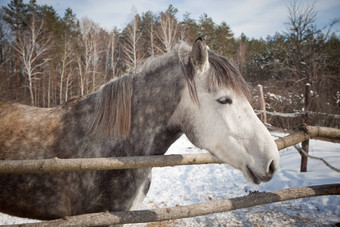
x: 256, y: 176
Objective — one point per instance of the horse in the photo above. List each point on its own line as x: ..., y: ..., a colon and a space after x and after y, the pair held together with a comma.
x: 190, y: 90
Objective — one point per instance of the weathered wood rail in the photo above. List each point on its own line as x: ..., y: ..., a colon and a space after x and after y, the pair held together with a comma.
x: 84, y: 164
x: 163, y: 214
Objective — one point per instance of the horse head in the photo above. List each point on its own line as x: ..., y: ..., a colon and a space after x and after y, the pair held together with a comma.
x: 215, y: 115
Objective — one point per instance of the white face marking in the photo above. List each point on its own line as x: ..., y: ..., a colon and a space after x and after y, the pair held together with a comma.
x: 225, y: 124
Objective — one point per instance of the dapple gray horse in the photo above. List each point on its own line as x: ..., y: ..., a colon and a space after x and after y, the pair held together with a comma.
x: 189, y: 90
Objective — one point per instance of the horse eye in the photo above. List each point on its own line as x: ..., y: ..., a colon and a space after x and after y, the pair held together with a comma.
x: 225, y: 100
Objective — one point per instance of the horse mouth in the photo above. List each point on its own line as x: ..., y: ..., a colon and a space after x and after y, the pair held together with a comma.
x: 255, y: 178
x: 252, y: 176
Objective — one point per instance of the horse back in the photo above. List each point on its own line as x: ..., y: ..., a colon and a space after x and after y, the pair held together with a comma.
x: 27, y: 132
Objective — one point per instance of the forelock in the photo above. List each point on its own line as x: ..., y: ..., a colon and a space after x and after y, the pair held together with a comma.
x: 224, y: 74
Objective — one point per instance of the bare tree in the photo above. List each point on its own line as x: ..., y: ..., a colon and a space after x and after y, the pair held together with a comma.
x: 151, y: 31
x: 66, y: 60
x: 305, y: 53
x: 111, y: 51
x: 81, y: 75
x: 168, y: 29
x: 240, y: 56
x: 31, y: 46
x: 131, y: 45
x: 301, y: 22
x: 89, y: 59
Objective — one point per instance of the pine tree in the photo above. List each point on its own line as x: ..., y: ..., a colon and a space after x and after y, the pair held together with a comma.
x: 190, y: 27
x: 224, y: 42
x: 207, y: 28
x: 16, y: 15
x: 148, y: 26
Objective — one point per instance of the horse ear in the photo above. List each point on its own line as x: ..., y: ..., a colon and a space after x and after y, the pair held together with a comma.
x: 199, y: 53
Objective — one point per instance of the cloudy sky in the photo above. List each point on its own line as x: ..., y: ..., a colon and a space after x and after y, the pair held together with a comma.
x: 255, y: 18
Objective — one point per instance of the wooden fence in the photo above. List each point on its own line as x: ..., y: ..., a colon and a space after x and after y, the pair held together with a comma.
x: 305, y: 115
x: 163, y: 214
x: 142, y: 216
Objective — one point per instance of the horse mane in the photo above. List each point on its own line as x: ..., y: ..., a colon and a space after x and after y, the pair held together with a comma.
x: 113, y: 108
x: 224, y: 74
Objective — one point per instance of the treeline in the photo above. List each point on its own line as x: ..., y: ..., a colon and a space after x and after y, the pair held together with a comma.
x: 46, y: 59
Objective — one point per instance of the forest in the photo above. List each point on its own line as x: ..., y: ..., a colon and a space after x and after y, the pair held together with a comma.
x: 47, y: 59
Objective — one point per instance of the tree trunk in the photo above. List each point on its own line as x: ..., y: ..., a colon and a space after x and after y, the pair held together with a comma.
x: 30, y: 88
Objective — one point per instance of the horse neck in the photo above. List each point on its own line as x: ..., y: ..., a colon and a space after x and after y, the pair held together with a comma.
x: 156, y: 94
x: 155, y: 98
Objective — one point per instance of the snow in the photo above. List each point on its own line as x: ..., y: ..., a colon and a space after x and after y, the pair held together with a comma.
x: 184, y: 185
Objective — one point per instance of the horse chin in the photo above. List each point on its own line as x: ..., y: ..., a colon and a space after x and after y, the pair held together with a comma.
x: 250, y: 176
x: 250, y: 173
x: 254, y: 177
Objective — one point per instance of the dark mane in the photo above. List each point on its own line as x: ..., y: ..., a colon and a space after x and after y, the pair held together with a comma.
x: 113, y: 108
x: 224, y: 74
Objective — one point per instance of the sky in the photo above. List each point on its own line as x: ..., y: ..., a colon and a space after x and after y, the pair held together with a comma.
x: 254, y: 18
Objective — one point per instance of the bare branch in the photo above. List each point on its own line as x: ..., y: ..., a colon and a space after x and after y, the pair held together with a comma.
x: 316, y: 158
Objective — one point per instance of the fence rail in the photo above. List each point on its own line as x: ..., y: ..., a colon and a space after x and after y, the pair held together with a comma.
x: 82, y: 164
x: 163, y: 214
x: 297, y: 114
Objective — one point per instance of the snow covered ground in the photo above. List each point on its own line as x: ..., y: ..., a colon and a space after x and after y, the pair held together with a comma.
x: 184, y: 185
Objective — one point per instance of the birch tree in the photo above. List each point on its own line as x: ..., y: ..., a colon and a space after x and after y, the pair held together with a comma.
x: 70, y: 34
x: 111, y: 52
x: 89, y: 59
x: 66, y: 60
x: 132, y: 42
x: 152, y: 37
x: 168, y: 28
x: 81, y: 75
x: 31, y: 46
x: 148, y: 26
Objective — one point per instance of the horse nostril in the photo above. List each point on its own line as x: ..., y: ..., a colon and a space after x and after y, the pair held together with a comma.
x: 271, y: 168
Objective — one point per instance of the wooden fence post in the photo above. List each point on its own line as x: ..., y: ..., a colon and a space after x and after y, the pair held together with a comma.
x: 262, y: 104
x: 305, y: 144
